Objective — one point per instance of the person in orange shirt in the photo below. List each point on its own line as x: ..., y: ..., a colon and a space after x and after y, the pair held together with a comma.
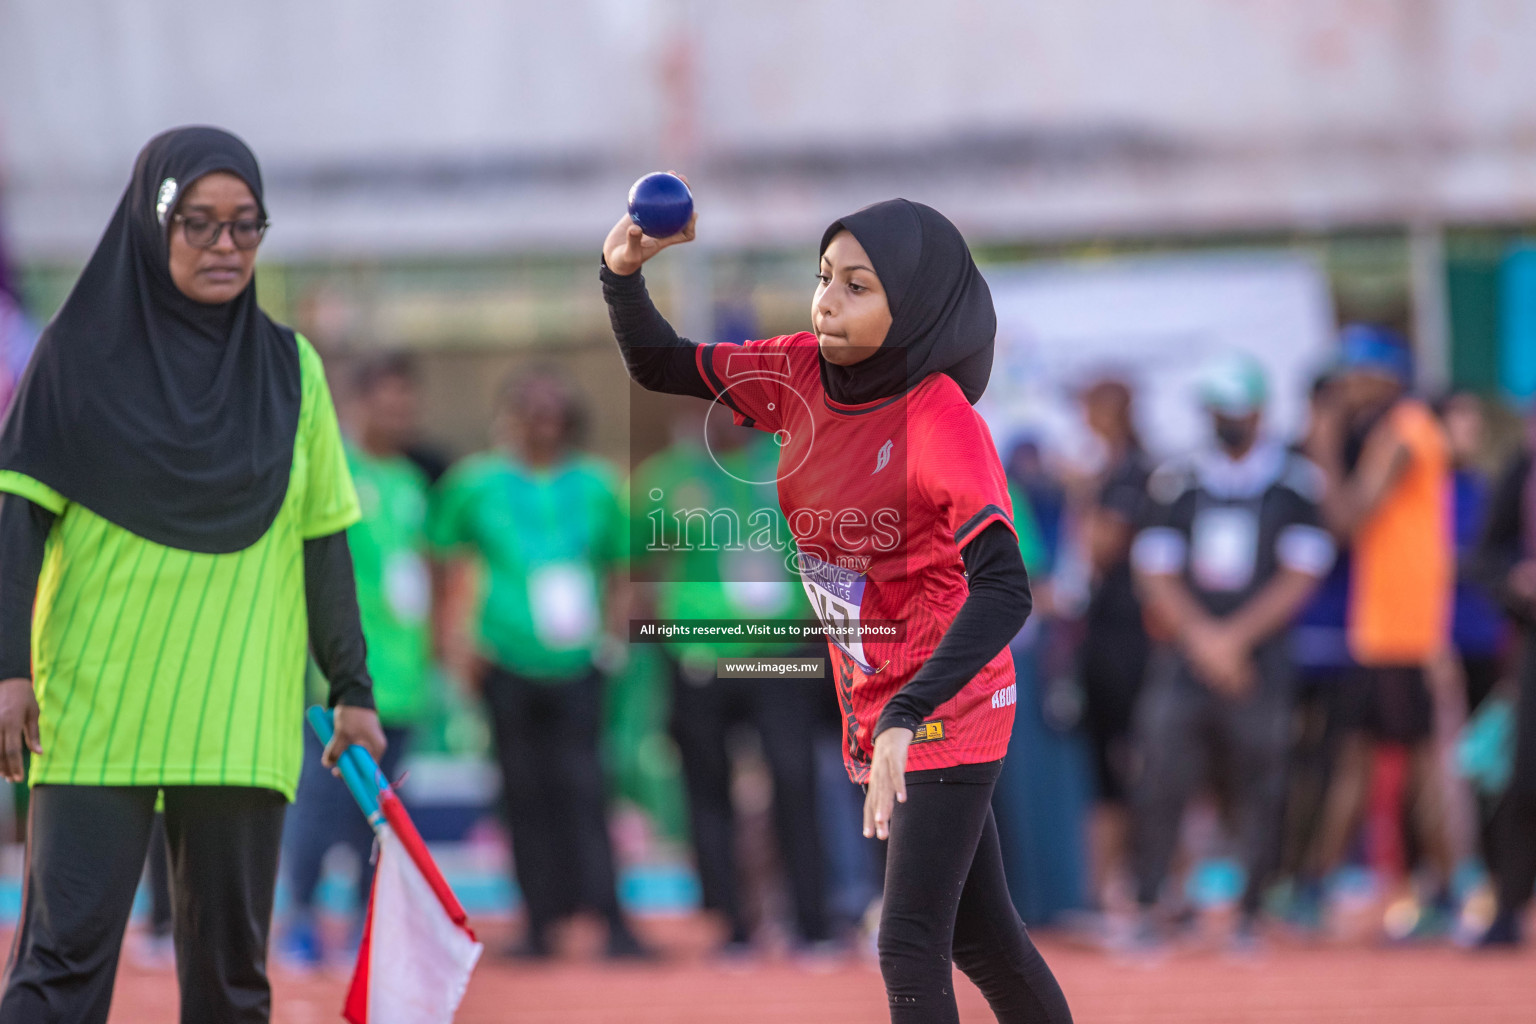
x: 1387, y: 467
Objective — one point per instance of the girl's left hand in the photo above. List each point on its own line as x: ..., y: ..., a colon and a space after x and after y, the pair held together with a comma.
x: 887, y: 781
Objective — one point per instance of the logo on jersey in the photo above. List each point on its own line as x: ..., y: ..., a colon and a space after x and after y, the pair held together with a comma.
x: 883, y: 459
x: 1006, y: 696
x: 928, y: 731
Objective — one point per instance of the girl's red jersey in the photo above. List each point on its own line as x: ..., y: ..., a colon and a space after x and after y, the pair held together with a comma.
x: 880, y: 498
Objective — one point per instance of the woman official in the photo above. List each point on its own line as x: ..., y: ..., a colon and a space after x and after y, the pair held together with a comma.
x: 175, y: 493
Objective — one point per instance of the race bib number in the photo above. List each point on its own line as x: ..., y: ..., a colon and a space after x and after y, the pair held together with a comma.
x: 837, y: 595
x: 750, y: 585
x: 563, y: 599
x: 407, y: 587
x: 1224, y: 545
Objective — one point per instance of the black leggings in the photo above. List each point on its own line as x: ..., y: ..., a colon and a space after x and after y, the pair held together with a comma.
x: 1514, y: 822
x: 85, y: 851
x: 784, y: 712
x: 946, y: 899
x: 548, y: 747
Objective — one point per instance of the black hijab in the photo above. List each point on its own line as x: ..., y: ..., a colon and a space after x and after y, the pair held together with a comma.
x: 942, y: 320
x: 173, y: 419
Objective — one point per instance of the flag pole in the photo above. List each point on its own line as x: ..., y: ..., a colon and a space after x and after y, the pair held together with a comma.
x: 358, y: 770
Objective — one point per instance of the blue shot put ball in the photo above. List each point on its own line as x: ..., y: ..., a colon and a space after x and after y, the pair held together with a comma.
x: 661, y: 204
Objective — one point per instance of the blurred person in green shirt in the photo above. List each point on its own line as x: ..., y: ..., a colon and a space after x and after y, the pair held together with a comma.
x: 545, y: 526
x: 379, y: 418
x: 707, y: 526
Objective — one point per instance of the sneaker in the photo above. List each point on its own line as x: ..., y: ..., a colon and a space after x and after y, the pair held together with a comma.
x: 529, y: 949
x: 1091, y: 928
x: 1245, y: 942
x: 735, y: 948
x: 151, y: 952
x: 1304, y: 909
x: 344, y: 957
x: 300, y: 947
x: 1434, y: 920
x: 1503, y: 933
x: 1146, y: 943
x: 822, y: 956
x: 624, y: 944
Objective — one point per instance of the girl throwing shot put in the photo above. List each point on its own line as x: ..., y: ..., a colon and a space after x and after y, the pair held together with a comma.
x: 899, y: 508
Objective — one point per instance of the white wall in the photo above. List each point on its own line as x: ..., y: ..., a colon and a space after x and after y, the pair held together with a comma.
x: 395, y: 126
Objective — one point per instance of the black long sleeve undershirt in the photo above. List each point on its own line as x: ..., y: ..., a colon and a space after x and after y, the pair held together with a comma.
x: 657, y: 359
x: 335, y: 626
x: 24, y: 527
x: 993, y: 613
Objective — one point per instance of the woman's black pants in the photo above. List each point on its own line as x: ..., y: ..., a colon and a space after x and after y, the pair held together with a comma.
x: 1514, y: 822
x: 554, y: 792
x: 946, y: 901
x: 784, y: 713
x: 85, y: 852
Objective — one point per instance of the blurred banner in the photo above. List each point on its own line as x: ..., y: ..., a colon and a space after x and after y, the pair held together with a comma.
x: 1151, y: 322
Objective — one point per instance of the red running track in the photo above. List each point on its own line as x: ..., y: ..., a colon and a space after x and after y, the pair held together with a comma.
x: 1287, y: 984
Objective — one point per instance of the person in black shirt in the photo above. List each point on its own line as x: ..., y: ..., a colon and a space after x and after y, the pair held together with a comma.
x: 1113, y: 659
x: 1506, y: 562
x: 1234, y: 549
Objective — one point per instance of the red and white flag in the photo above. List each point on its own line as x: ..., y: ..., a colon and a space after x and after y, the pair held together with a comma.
x: 417, y: 952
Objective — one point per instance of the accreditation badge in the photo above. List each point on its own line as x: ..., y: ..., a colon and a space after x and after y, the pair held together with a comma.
x: 750, y: 583
x: 1224, y: 545
x: 407, y: 586
x: 562, y: 597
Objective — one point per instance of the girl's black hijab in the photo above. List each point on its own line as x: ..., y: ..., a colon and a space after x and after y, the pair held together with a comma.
x: 942, y: 320
x: 173, y: 419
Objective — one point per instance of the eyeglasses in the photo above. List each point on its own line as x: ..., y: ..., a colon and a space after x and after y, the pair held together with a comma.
x: 202, y: 233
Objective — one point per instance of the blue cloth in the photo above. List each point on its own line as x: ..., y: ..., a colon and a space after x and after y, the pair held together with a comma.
x: 1517, y: 322
x: 1041, y: 802
x: 1048, y: 500
x: 1372, y: 347
x: 1319, y: 641
x: 1477, y: 626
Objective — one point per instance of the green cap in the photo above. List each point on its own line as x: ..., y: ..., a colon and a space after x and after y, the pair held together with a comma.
x: 1233, y: 384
